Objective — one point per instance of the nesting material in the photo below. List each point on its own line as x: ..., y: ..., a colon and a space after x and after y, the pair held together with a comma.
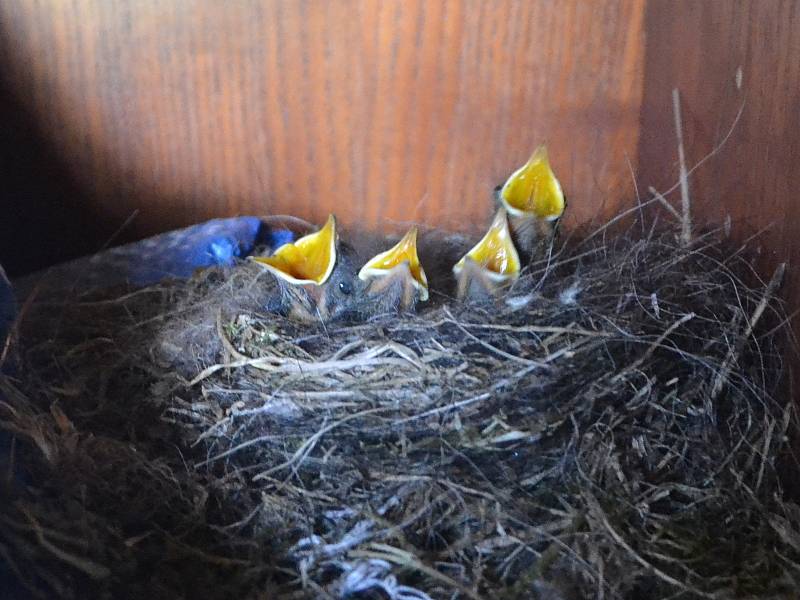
x: 614, y: 428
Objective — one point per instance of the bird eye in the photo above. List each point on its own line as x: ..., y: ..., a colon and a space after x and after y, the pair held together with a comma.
x: 345, y: 287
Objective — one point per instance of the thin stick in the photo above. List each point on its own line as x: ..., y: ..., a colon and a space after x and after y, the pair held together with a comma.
x: 714, y: 152
x: 120, y: 229
x: 686, y: 204
x: 664, y: 202
x: 649, y: 352
x: 89, y: 567
x: 309, y: 444
x: 735, y: 350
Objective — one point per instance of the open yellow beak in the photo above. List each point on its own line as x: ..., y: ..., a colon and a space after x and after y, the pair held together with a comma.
x: 495, y: 254
x: 309, y: 260
x: 404, y: 252
x: 533, y: 189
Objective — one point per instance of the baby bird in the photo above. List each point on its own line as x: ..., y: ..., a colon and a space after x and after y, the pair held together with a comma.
x: 534, y: 201
x: 395, y: 280
x: 316, y: 275
x: 491, y: 266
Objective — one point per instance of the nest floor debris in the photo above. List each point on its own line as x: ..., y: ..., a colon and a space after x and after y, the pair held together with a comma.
x: 614, y: 429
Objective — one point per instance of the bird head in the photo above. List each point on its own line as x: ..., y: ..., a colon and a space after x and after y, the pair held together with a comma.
x: 394, y: 279
x: 490, y: 266
x: 534, y: 200
x: 316, y: 275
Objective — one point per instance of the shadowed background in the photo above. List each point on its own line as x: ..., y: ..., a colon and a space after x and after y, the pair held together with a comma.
x: 182, y: 110
x: 379, y: 111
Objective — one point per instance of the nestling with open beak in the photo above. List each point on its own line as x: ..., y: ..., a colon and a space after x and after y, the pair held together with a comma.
x: 395, y: 280
x: 491, y: 266
x: 316, y: 275
x: 534, y: 201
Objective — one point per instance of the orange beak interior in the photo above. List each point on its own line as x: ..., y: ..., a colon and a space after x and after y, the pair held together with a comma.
x: 495, y: 252
x: 308, y: 260
x: 404, y: 251
x: 534, y: 189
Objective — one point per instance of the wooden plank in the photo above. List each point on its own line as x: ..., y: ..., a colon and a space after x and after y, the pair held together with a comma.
x: 725, y: 57
x: 379, y: 111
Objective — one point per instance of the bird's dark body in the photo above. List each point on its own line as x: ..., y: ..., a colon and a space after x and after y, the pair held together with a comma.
x: 395, y: 292
x: 341, y: 296
x: 181, y: 252
x: 438, y: 252
x: 532, y: 236
x: 474, y: 285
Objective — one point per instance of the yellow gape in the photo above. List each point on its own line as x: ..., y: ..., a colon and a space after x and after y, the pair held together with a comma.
x: 309, y: 260
x: 495, y: 254
x: 533, y: 189
x: 386, y: 264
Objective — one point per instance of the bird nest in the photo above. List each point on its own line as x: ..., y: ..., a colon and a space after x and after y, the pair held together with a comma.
x: 615, y: 428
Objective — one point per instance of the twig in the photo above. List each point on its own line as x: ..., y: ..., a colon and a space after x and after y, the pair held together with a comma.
x: 488, y: 346
x: 527, y: 328
x: 686, y: 204
x: 594, y: 506
x: 225, y: 341
x: 369, y: 358
x: 652, y: 348
x: 735, y: 350
x: 309, y: 444
x: 664, y: 202
x: 89, y: 567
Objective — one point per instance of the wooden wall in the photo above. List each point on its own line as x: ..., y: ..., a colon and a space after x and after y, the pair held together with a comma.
x: 726, y: 57
x: 381, y: 111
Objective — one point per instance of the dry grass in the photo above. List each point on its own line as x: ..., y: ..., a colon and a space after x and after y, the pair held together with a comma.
x: 616, y: 429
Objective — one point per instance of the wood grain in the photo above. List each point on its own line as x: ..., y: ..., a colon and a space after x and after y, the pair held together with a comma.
x: 725, y: 57
x: 379, y: 111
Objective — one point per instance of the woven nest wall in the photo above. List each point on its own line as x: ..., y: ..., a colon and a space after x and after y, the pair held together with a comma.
x: 616, y: 426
